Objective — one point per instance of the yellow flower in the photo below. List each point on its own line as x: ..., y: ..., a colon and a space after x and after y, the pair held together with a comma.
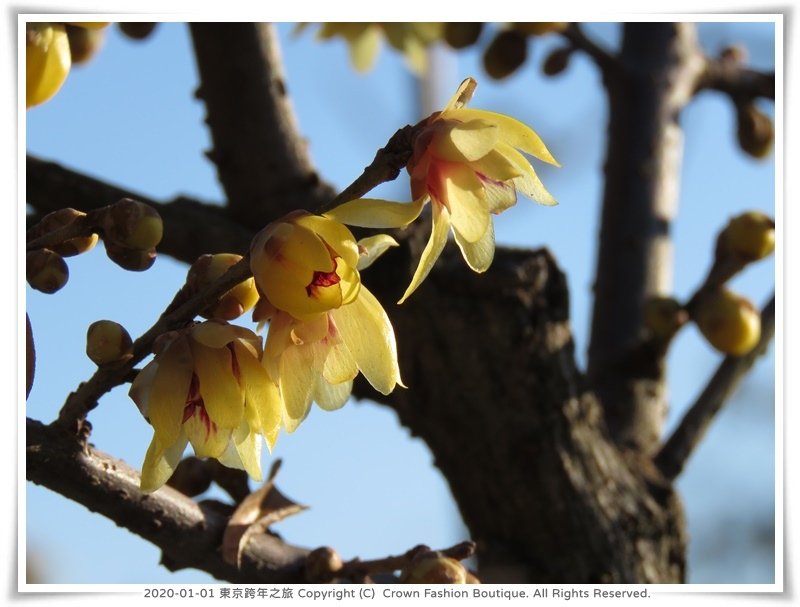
x: 469, y: 165
x: 364, y: 40
x: 325, y: 326
x: 206, y: 386
x: 47, y: 61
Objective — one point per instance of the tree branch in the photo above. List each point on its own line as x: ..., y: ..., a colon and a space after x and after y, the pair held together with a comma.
x: 659, y: 64
x: 740, y: 83
x: 261, y: 159
x: 673, y: 456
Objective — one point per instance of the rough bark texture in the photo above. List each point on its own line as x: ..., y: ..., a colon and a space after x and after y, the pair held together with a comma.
x: 657, y: 72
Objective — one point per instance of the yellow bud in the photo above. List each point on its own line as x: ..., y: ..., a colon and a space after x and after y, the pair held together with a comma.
x: 322, y: 563
x: 750, y: 236
x: 505, y: 54
x: 135, y: 260
x: 46, y: 271
x: 557, y: 61
x: 47, y: 61
x: 729, y: 322
x: 663, y: 316
x: 538, y: 28
x: 754, y: 131
x: 461, y: 35
x: 234, y: 303
x: 107, y: 341
x: 84, y: 43
x: 433, y: 568
x: 58, y: 219
x: 133, y: 224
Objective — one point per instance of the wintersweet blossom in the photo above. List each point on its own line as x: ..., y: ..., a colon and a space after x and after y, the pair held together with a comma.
x: 206, y: 386
x: 469, y: 164
x: 325, y: 326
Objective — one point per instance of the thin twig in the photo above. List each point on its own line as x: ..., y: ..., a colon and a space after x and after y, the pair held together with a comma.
x: 576, y: 36
x: 674, y: 454
x: 733, y: 79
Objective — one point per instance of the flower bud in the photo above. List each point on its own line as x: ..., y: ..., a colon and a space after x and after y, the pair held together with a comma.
x: 433, y: 568
x: 557, y: 61
x: 107, y: 342
x: 322, y: 563
x: 749, y: 236
x: 663, y: 316
x: 58, y: 219
x: 736, y: 53
x: 137, y: 30
x: 46, y: 271
x: 729, y: 322
x: 47, y: 61
x: 538, y: 28
x: 461, y: 35
x: 133, y: 224
x: 505, y: 54
x: 84, y: 42
x: 234, y: 303
x: 135, y: 260
x: 754, y: 131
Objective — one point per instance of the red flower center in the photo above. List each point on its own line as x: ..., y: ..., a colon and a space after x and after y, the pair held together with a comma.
x: 320, y: 280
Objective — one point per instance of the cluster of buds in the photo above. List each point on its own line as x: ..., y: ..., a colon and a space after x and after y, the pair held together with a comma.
x: 231, y: 304
x: 49, y: 55
x: 508, y: 50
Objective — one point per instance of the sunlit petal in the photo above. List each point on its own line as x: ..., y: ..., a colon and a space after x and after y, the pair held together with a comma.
x: 297, y: 376
x: 366, y: 331
x: 263, y: 405
x: 141, y: 386
x: 528, y: 183
x: 469, y: 211
x: 332, y: 396
x: 376, y: 213
x: 465, y: 142
x: 441, y: 227
x: 221, y: 392
x: 364, y: 48
x: 170, y: 389
x: 462, y: 95
x: 372, y: 247
x: 160, y: 463
x: 334, y: 234
x: 512, y: 132
x: 496, y: 166
x: 478, y: 255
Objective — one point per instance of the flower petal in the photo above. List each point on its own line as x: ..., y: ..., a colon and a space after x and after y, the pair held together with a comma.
x: 478, y: 255
x: 441, y: 227
x: 376, y: 213
x: 364, y: 48
x: 499, y: 195
x: 141, y: 386
x: 297, y: 378
x: 528, y: 183
x: 332, y: 396
x: 372, y: 247
x: 160, y: 463
x: 366, y: 331
x: 213, y: 334
x: 339, y: 366
x: 465, y: 142
x: 496, y: 166
x: 469, y: 211
x: 334, y: 234
x: 243, y: 451
x: 263, y: 405
x: 170, y: 389
x: 512, y: 131
x: 207, y: 440
x: 222, y: 395
x: 462, y: 95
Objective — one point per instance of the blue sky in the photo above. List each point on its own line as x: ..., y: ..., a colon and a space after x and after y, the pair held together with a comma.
x: 129, y: 117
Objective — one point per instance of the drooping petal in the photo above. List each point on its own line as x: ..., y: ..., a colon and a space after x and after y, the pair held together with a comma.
x: 469, y: 212
x: 512, y: 132
x: 528, y: 183
x: 297, y: 377
x: 339, y: 366
x: 160, y: 463
x: 263, y: 405
x: 478, y: 255
x: 366, y: 331
x: 278, y: 339
x: 462, y: 95
x: 207, y: 439
x: 219, y: 388
x: 465, y: 142
x: 500, y: 195
x: 170, y: 389
x: 372, y: 247
x: 376, y: 213
x: 309, y: 332
x: 243, y: 451
x: 141, y: 386
x: 432, y: 250
x: 332, y: 396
